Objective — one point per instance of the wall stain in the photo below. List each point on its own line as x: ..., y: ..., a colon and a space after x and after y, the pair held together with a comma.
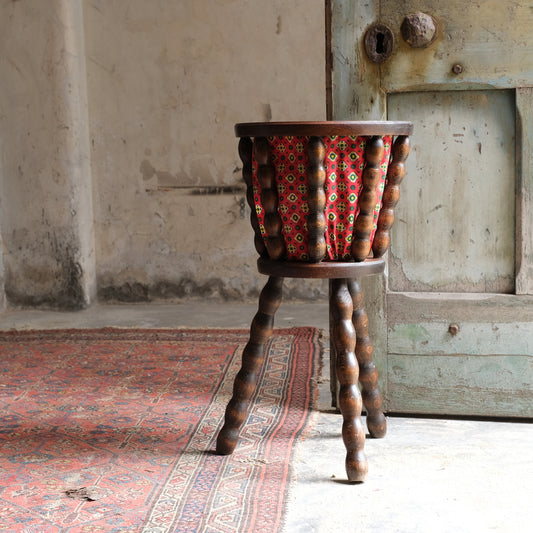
x: 186, y: 287
x: 267, y: 112
x: 216, y: 290
x: 67, y: 291
x: 199, y: 172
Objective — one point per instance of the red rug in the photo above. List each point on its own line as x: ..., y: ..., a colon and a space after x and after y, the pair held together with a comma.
x: 113, y: 430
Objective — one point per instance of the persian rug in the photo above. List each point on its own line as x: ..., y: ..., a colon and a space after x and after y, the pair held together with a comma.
x: 114, y: 430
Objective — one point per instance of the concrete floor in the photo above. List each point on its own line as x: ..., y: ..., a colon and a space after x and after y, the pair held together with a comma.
x: 427, y: 475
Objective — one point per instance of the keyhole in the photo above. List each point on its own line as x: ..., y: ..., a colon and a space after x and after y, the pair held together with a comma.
x: 379, y: 43
x: 380, y: 46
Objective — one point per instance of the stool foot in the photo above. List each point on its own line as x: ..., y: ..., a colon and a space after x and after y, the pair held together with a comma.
x: 356, y: 466
x: 252, y: 360
x: 368, y: 374
x: 347, y: 370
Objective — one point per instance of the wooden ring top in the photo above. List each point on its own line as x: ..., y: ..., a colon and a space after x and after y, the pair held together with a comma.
x: 322, y: 129
x: 325, y: 269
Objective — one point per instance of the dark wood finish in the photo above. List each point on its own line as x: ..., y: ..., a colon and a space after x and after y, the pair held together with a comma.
x: 351, y: 348
x: 266, y: 175
x: 350, y: 402
x: 368, y: 374
x: 364, y: 222
x: 322, y: 129
x: 252, y: 360
x: 333, y: 385
x: 324, y: 270
x: 245, y: 153
x: 316, y: 199
x: 391, y: 195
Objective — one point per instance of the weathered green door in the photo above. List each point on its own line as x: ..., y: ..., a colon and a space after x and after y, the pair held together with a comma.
x: 453, y: 321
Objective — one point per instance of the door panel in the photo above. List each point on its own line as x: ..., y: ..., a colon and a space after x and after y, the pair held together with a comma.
x: 462, y: 355
x: 459, y: 193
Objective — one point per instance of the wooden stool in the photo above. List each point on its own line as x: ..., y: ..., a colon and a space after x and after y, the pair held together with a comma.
x: 322, y: 196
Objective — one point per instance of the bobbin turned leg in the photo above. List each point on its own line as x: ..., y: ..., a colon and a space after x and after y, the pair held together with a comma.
x: 368, y: 374
x: 350, y: 402
x: 333, y: 385
x: 252, y: 360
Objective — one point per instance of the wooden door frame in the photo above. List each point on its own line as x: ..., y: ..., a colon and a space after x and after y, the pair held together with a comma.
x: 524, y: 191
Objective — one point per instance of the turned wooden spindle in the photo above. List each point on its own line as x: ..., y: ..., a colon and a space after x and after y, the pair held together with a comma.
x: 368, y: 374
x: 266, y: 175
x: 350, y: 402
x: 252, y: 360
x: 316, y: 199
x: 368, y: 197
x: 245, y: 153
x: 351, y: 348
x: 391, y: 195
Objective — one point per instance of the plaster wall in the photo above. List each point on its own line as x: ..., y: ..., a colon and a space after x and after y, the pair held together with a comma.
x: 119, y: 167
x: 167, y: 81
x: 46, y: 214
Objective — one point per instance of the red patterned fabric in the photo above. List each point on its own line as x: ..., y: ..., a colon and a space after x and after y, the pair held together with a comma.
x: 344, y: 165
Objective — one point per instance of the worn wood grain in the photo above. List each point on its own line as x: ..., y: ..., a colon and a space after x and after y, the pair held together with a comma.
x: 524, y: 190
x: 455, y: 223
x: 462, y: 385
x: 355, y: 82
x: 483, y: 326
x: 491, y: 40
x: 506, y: 308
x: 483, y: 367
x: 483, y: 339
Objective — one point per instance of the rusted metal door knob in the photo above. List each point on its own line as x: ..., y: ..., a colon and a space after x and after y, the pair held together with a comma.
x: 379, y: 42
x: 419, y: 30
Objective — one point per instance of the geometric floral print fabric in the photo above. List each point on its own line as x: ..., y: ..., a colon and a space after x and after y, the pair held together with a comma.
x: 344, y: 164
